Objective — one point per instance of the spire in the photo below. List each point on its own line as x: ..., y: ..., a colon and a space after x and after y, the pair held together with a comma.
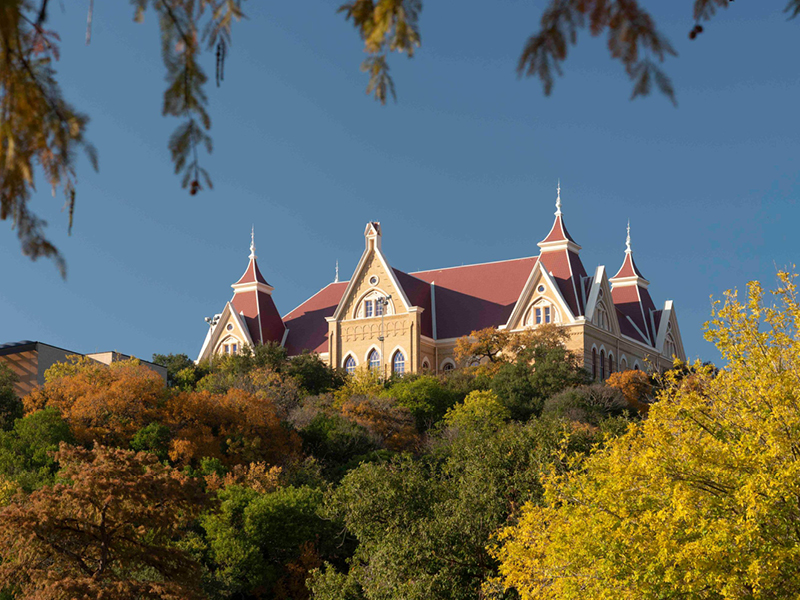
x: 558, y: 199
x: 336, y: 279
x: 628, y: 239
x: 629, y: 272
x: 253, y: 242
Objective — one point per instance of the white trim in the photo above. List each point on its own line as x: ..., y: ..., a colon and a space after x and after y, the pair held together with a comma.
x: 369, y: 350
x: 307, y: 299
x: 381, y: 293
x: 621, y: 358
x: 433, y: 310
x: 491, y: 262
x: 285, y: 335
x: 390, y: 362
x: 217, y: 333
x: 348, y: 355
x: 425, y: 361
x: 520, y: 308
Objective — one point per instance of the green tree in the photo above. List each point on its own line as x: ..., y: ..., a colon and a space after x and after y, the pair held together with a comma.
x: 426, y: 397
x: 254, y: 537
x: 699, y: 500
x: 153, y: 438
x: 181, y: 370
x: 422, y: 525
x: 26, y: 452
x: 10, y: 405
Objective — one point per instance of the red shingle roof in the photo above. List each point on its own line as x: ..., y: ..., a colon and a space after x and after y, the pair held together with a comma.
x: 308, y: 329
x: 628, y: 268
x: 252, y: 274
x: 558, y: 233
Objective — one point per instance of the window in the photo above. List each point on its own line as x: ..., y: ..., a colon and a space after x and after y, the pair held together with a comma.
x: 538, y: 316
x: 368, y: 308
x: 602, y: 364
x: 541, y: 312
x: 226, y: 349
x: 379, y: 307
x: 623, y: 364
x: 670, y: 348
x: 601, y: 317
x: 398, y: 363
x: 610, y: 363
x: 448, y: 366
x: 374, y: 360
x: 426, y: 366
x: 233, y: 348
x: 546, y: 314
x: 350, y: 365
x: 594, y: 363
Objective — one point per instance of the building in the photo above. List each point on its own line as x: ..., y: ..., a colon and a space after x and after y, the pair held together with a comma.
x: 29, y: 361
x: 385, y: 319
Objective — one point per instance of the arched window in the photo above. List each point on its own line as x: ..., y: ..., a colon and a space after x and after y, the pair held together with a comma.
x: 426, y: 366
x: 610, y: 363
x: 623, y: 364
x: 594, y: 363
x: 541, y: 313
x: 602, y: 364
x: 448, y: 366
x: 374, y: 360
x: 398, y: 363
x: 670, y: 348
x: 350, y: 365
x: 374, y: 304
x: 601, y: 317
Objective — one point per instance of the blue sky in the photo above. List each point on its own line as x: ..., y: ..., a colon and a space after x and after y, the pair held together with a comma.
x: 462, y: 169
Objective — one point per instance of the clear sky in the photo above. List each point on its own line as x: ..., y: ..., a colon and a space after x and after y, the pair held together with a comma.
x: 462, y: 169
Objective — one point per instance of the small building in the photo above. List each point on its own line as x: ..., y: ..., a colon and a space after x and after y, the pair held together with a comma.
x: 396, y: 322
x: 29, y: 361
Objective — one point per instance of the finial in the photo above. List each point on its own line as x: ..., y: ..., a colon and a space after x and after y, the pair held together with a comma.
x: 558, y: 199
x: 336, y: 279
x: 628, y: 240
x: 253, y: 242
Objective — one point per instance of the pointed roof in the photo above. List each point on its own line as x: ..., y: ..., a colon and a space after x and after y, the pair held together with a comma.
x: 252, y: 274
x: 628, y: 268
x: 558, y: 232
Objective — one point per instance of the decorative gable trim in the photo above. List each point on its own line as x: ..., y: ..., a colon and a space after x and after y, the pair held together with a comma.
x: 214, y: 335
x: 600, y: 282
x: 669, y: 320
x: 538, y: 273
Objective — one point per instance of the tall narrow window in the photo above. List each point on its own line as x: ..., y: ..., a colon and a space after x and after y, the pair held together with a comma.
x: 226, y: 349
x: 594, y: 363
x: 538, y: 316
x: 610, y: 363
x: 374, y: 360
x: 398, y: 363
x: 546, y: 314
x: 233, y: 348
x: 368, y: 308
x: 379, y: 307
x: 350, y: 365
x: 602, y: 364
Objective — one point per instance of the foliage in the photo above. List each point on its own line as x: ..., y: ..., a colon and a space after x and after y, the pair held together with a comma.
x: 336, y: 440
x: 363, y: 382
x: 423, y: 525
x: 153, y: 438
x: 479, y: 410
x: 699, y: 500
x: 313, y: 374
x: 426, y: 397
x: 636, y: 387
x: 489, y: 344
x: 388, y: 422
x: 106, y: 531
x: 10, y: 405
x: 257, y: 540
x: 590, y: 404
x: 102, y: 403
x: 26, y: 452
x: 181, y: 370
x: 542, y: 366
x: 235, y: 427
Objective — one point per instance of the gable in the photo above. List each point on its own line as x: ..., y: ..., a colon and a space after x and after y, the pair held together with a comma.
x: 540, y: 287
x: 600, y: 295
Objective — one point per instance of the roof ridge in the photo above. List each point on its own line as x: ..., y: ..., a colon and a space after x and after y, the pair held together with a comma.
x: 491, y: 262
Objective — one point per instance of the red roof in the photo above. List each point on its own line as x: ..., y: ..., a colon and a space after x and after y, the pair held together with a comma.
x: 308, y: 329
x: 558, y: 233
x: 628, y: 268
x: 252, y: 274
x: 260, y: 315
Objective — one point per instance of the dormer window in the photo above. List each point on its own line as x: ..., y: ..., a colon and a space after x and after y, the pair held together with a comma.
x: 542, y: 313
x: 368, y: 308
x: 375, y: 303
x: 670, y: 348
x: 601, y: 317
x: 378, y: 308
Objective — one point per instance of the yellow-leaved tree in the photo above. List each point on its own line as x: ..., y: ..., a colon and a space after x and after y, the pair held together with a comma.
x: 701, y: 499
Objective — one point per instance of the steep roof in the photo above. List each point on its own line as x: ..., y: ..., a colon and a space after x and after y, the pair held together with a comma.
x: 252, y: 274
x: 467, y: 298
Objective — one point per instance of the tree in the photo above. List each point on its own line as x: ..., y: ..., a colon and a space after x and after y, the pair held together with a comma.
x: 102, y: 403
x: 479, y: 410
x: 181, y: 370
x: 26, y: 452
x: 426, y: 397
x: 423, y: 525
x: 590, y: 404
x: 258, y: 543
x: 700, y: 500
x: 10, y: 404
x: 392, y: 425
x: 635, y: 386
x: 106, y: 530
x: 235, y: 427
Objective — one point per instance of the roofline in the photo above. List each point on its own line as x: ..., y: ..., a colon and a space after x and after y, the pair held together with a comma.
x: 491, y: 262
x: 314, y: 294
x: 28, y: 344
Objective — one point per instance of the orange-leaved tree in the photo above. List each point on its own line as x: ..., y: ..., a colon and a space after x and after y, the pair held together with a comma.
x: 102, y: 403
x: 107, y: 531
x: 635, y: 386
x: 235, y: 427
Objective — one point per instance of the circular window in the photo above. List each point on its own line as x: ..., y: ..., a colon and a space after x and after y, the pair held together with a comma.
x: 229, y: 327
x: 540, y: 289
x: 373, y: 280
